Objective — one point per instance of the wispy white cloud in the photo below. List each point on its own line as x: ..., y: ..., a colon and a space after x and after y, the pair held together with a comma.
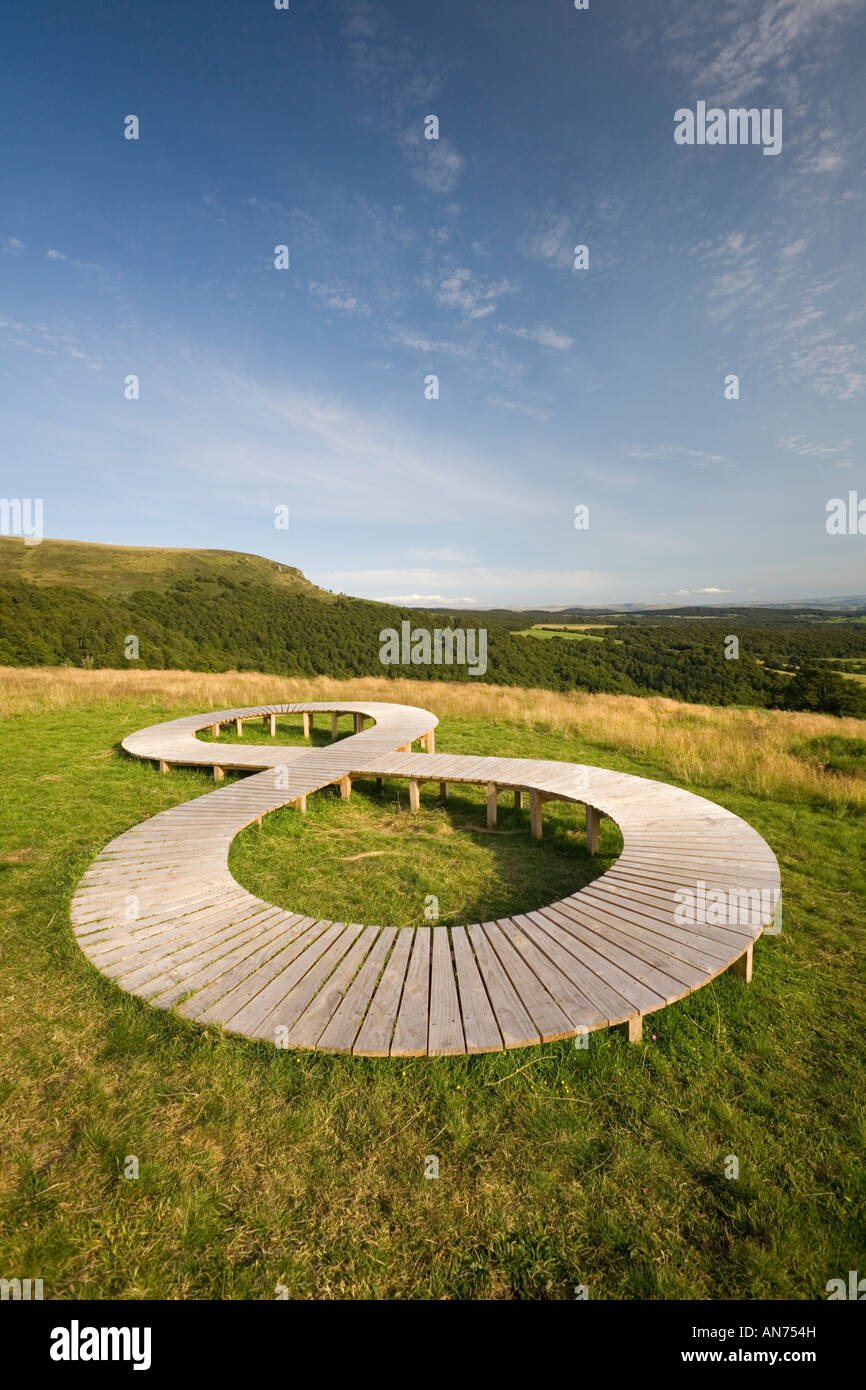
x: 471, y: 294
x: 710, y: 589
x: 536, y: 412
x: 675, y: 453
x: 435, y: 164
x: 543, y: 334
x: 336, y: 297
x: 799, y: 444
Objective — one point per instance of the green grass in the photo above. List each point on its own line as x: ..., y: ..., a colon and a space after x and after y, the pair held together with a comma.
x: 368, y: 860
x: 545, y: 633
x: 558, y: 1165
x: 835, y: 754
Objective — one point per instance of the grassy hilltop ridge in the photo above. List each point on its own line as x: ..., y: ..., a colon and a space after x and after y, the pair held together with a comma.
x: 119, y: 570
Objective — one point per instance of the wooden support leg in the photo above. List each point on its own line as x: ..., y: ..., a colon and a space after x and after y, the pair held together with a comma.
x: 518, y: 800
x: 535, y: 814
x: 218, y: 774
x: 593, y: 820
x: 359, y: 723
x: 632, y: 1028
x: 215, y: 730
x: 334, y: 718
x: 306, y: 719
x: 300, y: 804
x: 414, y: 794
x: 345, y: 788
x: 443, y: 791
x: 742, y: 967
x: 380, y: 786
x: 273, y: 720
x: 163, y: 765
x: 431, y: 742
x: 239, y: 727
x: 491, y: 804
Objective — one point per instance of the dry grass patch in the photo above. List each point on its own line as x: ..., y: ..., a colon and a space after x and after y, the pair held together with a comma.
x: 755, y: 750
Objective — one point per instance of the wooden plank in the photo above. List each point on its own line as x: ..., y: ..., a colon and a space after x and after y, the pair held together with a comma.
x: 446, y: 1030
x: 311, y: 974
x: 410, y: 1030
x: 374, y: 1039
x: 515, y: 1025
x: 318, y: 1014
x: 253, y: 998
x: 550, y: 1020
x: 479, y: 1021
x: 343, y: 1028
x: 577, y: 1007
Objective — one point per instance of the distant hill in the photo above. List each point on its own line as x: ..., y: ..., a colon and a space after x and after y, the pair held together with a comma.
x: 118, y: 570
x: 70, y: 603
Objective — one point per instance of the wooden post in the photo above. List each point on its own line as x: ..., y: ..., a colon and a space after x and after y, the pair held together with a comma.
x: 215, y: 730
x: 239, y: 727
x: 345, y: 788
x: 273, y: 719
x: 632, y: 1028
x: 334, y: 718
x: 518, y: 799
x: 593, y: 820
x: 306, y: 718
x: 535, y: 813
x: 431, y: 741
x: 443, y: 791
x: 300, y: 804
x: 380, y: 786
x: 163, y: 765
x: 414, y: 794
x: 218, y: 774
x: 359, y: 723
x: 491, y: 804
x: 742, y: 967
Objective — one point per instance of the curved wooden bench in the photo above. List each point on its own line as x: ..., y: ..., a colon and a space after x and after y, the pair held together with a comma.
x: 159, y: 912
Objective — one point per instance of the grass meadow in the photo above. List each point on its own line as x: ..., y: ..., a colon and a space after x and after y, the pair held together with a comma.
x: 558, y: 1165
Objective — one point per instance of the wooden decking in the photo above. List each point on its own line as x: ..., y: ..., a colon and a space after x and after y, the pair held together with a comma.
x: 159, y: 912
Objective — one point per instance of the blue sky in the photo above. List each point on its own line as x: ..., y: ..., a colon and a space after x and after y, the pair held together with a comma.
x: 305, y: 387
